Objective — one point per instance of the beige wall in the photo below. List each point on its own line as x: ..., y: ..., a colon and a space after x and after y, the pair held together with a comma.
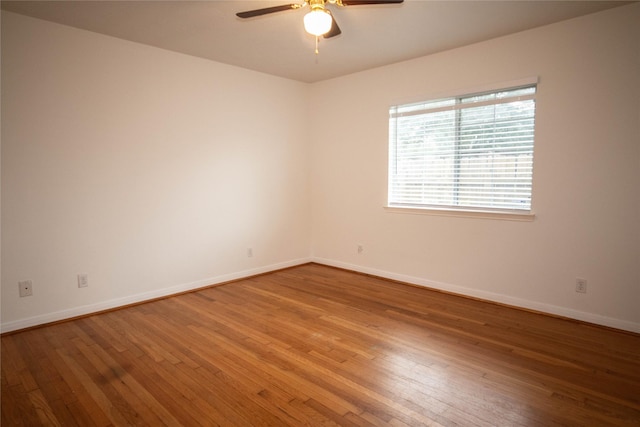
x: 148, y: 170
x: 586, y: 193
x: 153, y: 172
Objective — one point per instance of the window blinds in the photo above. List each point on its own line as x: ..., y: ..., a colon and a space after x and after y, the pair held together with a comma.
x: 473, y: 151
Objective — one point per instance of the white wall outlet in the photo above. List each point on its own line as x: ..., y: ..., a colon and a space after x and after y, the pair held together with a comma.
x: 360, y: 249
x: 26, y: 288
x: 249, y: 252
x: 83, y: 280
x: 581, y: 285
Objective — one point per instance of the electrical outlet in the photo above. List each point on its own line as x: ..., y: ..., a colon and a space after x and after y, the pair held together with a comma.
x: 360, y: 249
x: 26, y: 288
x: 249, y: 252
x: 83, y: 280
x: 581, y: 286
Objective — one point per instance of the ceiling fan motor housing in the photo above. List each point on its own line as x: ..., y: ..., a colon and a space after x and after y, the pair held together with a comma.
x: 316, y: 4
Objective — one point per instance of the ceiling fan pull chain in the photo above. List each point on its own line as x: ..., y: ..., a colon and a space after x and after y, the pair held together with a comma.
x: 317, y: 40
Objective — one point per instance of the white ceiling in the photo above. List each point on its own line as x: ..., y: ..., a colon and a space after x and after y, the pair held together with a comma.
x: 277, y: 43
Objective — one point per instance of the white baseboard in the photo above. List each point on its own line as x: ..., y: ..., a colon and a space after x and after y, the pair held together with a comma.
x: 172, y: 290
x: 142, y: 297
x: 490, y: 296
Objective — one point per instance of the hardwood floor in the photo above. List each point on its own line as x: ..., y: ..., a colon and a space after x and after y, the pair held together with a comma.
x: 313, y: 345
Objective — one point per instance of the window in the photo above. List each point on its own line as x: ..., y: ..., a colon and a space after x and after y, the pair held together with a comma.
x: 473, y: 152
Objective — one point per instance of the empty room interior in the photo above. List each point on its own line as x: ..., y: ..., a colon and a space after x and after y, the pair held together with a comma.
x: 211, y: 218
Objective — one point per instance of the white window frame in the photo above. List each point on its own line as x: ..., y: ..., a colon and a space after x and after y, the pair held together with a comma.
x: 451, y: 209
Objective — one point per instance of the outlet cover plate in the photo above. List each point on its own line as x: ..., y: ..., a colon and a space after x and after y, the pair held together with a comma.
x: 83, y: 280
x: 25, y: 288
x: 581, y: 286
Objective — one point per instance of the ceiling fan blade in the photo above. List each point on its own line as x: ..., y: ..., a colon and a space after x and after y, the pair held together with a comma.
x: 362, y: 2
x: 334, y: 31
x: 266, y: 10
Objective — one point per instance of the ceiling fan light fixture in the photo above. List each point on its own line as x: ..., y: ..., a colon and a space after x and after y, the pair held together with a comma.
x: 317, y: 22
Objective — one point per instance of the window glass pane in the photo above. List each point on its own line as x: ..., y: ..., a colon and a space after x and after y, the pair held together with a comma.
x: 480, y: 156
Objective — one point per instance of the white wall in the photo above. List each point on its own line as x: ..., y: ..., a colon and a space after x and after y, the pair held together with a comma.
x: 150, y: 171
x: 586, y: 193
x: 153, y: 172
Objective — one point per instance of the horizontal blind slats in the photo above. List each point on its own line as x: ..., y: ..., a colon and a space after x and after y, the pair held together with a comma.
x: 474, y: 151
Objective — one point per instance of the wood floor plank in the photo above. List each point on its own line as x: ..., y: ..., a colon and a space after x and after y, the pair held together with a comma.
x: 314, y: 345
x: 93, y: 389
x: 17, y: 408
x: 84, y: 403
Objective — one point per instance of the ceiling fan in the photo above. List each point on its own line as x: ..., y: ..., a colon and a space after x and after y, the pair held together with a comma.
x: 318, y: 21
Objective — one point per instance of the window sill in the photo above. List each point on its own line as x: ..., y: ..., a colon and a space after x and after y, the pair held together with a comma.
x: 463, y: 213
